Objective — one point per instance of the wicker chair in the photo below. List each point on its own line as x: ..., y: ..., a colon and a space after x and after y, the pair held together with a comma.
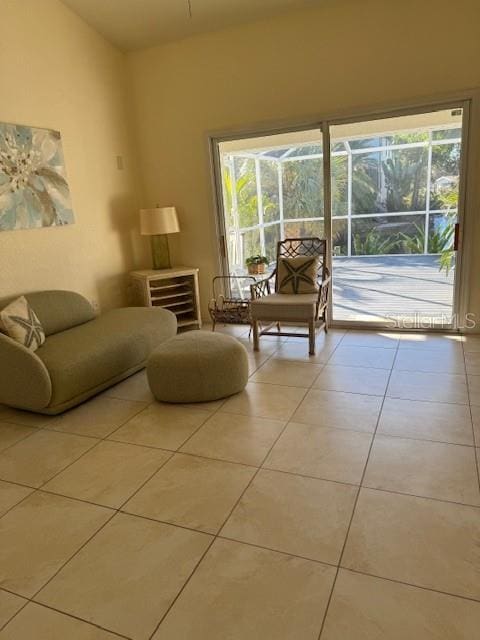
x: 299, y: 308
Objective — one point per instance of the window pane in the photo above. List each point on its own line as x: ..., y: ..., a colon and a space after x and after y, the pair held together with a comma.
x: 272, y: 236
x: 441, y: 232
x: 380, y: 236
x: 306, y: 150
x: 303, y: 188
x: 340, y: 237
x: 250, y: 244
x: 269, y: 182
x: 406, y: 137
x: 390, y: 181
x: 364, y: 143
x: 447, y: 134
x: 445, y: 176
x: 246, y: 187
x: 338, y: 147
x: 304, y: 229
x: 339, y: 168
x: 227, y: 194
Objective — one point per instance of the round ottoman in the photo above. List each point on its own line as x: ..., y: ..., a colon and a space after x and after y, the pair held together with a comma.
x: 197, y: 367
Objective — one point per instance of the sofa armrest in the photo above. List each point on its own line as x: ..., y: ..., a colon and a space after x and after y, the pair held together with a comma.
x: 24, y: 379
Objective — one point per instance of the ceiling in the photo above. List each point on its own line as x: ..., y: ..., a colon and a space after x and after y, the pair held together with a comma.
x: 136, y: 24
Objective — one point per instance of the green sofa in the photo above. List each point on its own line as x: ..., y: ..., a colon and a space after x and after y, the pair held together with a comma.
x: 83, y: 353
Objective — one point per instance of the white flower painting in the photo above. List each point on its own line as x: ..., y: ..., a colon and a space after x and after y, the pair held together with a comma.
x: 33, y: 186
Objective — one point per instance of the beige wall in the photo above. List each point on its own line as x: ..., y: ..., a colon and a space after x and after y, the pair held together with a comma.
x: 343, y: 55
x: 57, y: 73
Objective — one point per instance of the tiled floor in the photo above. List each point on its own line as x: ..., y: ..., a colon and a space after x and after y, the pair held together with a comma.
x: 336, y: 498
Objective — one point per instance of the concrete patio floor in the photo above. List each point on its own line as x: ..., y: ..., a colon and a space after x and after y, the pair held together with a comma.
x: 404, y: 288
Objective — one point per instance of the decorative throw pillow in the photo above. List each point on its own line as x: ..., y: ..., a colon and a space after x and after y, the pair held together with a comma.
x: 20, y: 322
x: 298, y: 275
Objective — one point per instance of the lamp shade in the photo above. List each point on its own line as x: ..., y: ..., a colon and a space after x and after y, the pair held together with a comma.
x: 155, y: 222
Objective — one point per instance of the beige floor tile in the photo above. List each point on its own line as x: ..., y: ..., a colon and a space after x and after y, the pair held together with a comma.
x: 339, y: 410
x: 39, y: 535
x: 97, y: 417
x: 383, y: 340
x: 211, y: 407
x: 133, y: 388
x: 430, y: 361
x: 292, y: 374
x: 476, y: 423
x: 474, y: 389
x: 301, y: 516
x: 472, y: 362
x: 39, y: 623
x: 108, y: 474
x: 253, y: 593
x: 428, y: 469
x: 38, y: 458
x: 352, y: 356
x: 368, y: 381
x: 192, y: 492
x: 423, y: 542
x: 255, y: 363
x: 127, y: 576
x: 331, y: 454
x: 421, y: 341
x: 368, y: 608
x: 162, y: 425
x: 265, y: 401
x: 298, y: 350
x: 426, y: 421
x: 235, y: 438
x: 12, y: 433
x: 11, y: 494
x: 266, y: 349
x: 433, y: 387
x: 471, y: 343
x: 25, y: 418
x: 9, y: 605
x: 237, y: 330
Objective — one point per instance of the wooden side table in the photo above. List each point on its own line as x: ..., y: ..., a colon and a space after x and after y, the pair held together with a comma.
x: 175, y: 289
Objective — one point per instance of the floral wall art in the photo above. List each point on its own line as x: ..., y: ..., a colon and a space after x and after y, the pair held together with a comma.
x: 33, y: 186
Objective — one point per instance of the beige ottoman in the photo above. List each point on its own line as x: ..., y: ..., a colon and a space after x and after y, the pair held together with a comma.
x: 197, y: 367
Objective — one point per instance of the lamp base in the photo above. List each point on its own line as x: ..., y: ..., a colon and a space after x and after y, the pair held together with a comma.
x: 160, y: 252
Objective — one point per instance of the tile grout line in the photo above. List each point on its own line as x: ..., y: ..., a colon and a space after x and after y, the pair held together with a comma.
x: 120, y: 509
x: 217, y: 535
x: 356, y: 501
x: 115, y: 511
x: 476, y: 451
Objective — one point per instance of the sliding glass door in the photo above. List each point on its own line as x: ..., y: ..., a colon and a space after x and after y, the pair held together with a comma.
x: 390, y: 213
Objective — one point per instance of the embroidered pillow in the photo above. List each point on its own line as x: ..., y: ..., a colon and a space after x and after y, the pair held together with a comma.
x: 20, y: 323
x: 298, y: 275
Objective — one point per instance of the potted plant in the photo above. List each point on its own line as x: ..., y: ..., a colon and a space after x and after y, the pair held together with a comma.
x: 256, y: 264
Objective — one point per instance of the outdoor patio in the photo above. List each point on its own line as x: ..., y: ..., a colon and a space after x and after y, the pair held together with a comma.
x: 401, y: 287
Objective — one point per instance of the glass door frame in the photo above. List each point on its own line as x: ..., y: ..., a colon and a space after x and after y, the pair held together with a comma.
x: 463, y: 253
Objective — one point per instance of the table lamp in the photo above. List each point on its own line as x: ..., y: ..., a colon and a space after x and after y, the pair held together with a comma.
x: 157, y: 223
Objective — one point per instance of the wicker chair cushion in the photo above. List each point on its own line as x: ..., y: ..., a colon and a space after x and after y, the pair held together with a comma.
x: 285, y: 307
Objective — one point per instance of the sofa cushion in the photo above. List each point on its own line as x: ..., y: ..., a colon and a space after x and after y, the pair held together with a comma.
x: 20, y: 322
x: 60, y: 310
x: 93, y: 353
